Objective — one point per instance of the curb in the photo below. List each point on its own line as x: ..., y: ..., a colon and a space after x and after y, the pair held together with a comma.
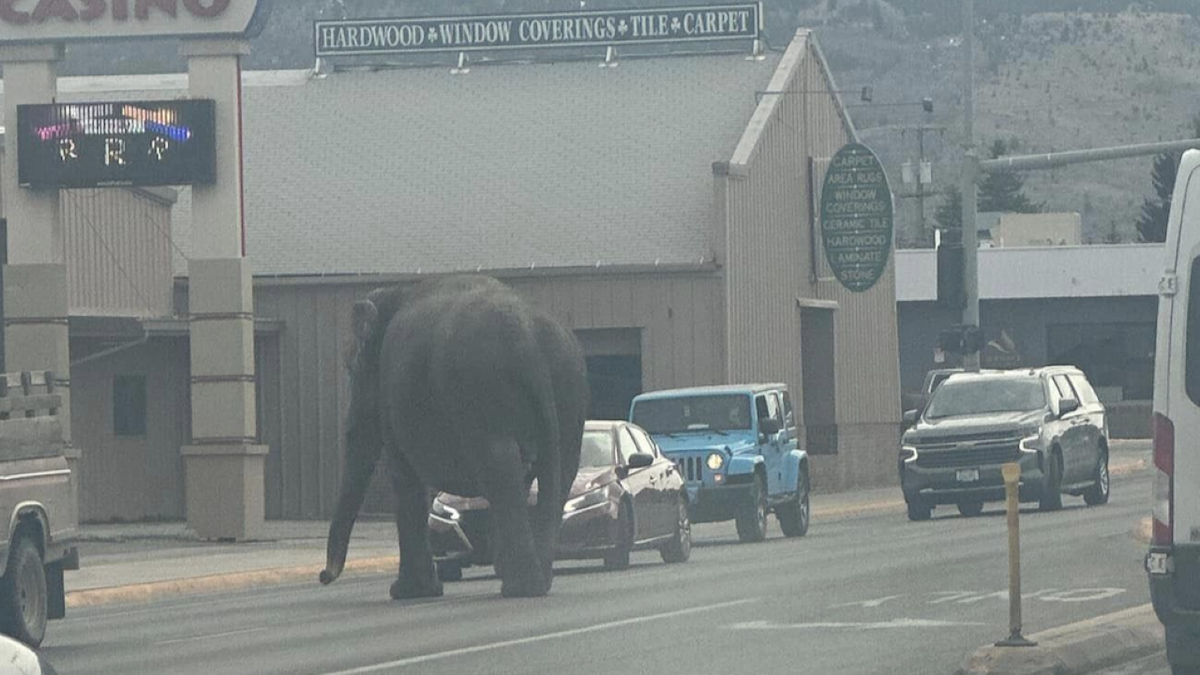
x: 1075, y: 649
x: 158, y: 590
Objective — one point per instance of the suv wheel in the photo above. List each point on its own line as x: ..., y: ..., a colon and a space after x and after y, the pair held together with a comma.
x: 679, y: 549
x: 752, y: 520
x: 794, y: 515
x: 1097, y: 494
x: 1051, y: 499
x: 23, y: 606
x: 918, y: 511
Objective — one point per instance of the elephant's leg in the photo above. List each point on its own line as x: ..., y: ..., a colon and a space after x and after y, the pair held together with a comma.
x: 547, y: 516
x: 418, y: 576
x: 501, y: 474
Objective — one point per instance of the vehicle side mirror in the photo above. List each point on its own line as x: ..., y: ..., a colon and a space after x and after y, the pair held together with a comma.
x: 640, y: 460
x: 1067, y: 406
x: 910, y: 416
x: 770, y: 427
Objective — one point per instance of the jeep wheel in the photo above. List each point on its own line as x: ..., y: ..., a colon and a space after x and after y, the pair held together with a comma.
x: 794, y: 515
x: 1051, y: 499
x: 617, y: 558
x: 918, y: 511
x: 752, y: 519
x: 23, y: 606
x: 679, y: 549
x: 970, y: 509
x: 1097, y: 494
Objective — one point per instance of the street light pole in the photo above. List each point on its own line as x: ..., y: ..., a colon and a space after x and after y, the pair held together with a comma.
x: 970, y: 173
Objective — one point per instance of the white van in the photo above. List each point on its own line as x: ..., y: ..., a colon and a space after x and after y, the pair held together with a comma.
x: 1174, y: 559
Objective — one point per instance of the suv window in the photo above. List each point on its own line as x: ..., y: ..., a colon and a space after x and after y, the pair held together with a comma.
x: 768, y: 407
x: 1087, y: 395
x: 1064, y: 388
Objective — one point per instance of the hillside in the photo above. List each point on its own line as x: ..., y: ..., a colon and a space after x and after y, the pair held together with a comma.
x: 1052, y: 75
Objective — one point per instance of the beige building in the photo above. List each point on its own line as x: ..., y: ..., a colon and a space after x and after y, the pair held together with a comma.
x: 1008, y: 230
x: 663, y: 208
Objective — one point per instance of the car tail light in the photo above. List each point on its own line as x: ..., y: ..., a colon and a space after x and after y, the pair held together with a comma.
x: 1164, y: 481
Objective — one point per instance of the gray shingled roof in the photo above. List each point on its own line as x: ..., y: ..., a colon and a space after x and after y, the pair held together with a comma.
x: 545, y: 164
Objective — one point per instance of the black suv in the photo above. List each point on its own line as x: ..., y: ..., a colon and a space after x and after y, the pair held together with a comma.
x: 1047, y: 419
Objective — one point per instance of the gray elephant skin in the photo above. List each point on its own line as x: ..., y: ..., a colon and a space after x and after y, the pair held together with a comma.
x: 463, y: 387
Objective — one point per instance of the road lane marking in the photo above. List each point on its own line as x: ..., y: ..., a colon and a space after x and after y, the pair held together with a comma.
x: 868, y: 604
x: 504, y: 644
x: 197, y: 638
x: 1083, y: 595
x: 862, y: 625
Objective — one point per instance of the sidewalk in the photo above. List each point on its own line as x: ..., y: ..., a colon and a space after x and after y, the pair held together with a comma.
x: 148, y: 561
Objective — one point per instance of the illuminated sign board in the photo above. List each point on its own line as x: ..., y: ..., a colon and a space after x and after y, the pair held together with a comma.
x: 591, y: 28
x: 118, y: 143
x: 73, y: 20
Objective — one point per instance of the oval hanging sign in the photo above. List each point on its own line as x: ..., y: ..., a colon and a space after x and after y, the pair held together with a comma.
x: 856, y: 217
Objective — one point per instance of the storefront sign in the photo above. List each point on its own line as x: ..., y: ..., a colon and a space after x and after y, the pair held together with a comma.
x: 77, y: 20
x: 524, y: 31
x: 856, y: 217
x: 135, y: 143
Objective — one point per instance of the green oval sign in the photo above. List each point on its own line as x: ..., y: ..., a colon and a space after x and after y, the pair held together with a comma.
x: 856, y: 217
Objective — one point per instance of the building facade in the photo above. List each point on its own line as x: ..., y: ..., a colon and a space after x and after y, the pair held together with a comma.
x: 664, y: 209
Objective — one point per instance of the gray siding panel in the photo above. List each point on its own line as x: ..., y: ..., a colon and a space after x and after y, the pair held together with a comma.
x: 118, y: 252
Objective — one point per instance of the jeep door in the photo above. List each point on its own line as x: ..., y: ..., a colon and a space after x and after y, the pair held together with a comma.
x: 770, y: 446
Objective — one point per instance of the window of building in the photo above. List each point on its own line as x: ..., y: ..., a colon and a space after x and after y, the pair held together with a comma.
x: 129, y: 405
x: 1118, y: 358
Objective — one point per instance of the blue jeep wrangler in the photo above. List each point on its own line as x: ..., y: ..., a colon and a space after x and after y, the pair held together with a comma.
x: 736, y: 447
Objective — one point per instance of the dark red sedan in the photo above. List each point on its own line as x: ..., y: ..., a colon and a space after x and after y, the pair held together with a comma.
x: 626, y: 497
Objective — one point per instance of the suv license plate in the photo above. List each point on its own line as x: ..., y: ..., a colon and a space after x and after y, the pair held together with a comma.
x: 968, y: 475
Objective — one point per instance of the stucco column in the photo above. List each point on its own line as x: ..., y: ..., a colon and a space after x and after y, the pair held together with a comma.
x: 36, y: 304
x: 224, y: 463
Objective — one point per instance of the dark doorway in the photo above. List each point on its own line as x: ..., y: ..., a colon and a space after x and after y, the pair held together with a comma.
x: 614, y: 381
x: 820, y: 378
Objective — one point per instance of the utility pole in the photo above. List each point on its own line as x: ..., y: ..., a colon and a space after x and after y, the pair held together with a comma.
x: 970, y: 171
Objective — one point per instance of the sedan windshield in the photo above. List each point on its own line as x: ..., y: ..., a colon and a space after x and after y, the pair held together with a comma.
x: 973, y: 396
x: 693, y: 413
x: 597, y: 451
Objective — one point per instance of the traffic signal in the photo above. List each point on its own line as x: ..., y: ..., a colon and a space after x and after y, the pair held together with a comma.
x: 950, y: 291
x: 961, y: 340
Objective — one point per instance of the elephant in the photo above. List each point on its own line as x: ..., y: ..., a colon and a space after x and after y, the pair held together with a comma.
x: 465, y: 387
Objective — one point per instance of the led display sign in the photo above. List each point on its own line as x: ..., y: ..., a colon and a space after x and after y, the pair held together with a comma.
x: 116, y: 143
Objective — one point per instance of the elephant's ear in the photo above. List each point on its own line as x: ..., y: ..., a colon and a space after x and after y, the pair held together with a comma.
x: 364, y: 319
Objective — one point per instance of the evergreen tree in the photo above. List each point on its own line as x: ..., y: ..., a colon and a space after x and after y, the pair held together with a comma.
x: 949, y: 213
x: 1152, y: 224
x: 1003, y: 191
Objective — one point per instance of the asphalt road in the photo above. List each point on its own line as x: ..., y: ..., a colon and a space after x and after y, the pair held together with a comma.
x: 874, y: 594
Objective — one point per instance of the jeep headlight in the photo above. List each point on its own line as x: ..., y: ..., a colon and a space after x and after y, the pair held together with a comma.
x: 715, y: 461
x: 586, y: 500
x: 445, y: 511
x: 1030, y: 443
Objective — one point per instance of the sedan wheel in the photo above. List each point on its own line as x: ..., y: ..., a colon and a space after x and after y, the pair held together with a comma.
x: 1097, y: 494
x: 680, y: 548
x: 752, y: 521
x: 450, y: 570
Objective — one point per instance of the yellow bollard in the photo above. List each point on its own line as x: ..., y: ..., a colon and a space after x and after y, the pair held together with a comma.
x: 1012, y: 483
